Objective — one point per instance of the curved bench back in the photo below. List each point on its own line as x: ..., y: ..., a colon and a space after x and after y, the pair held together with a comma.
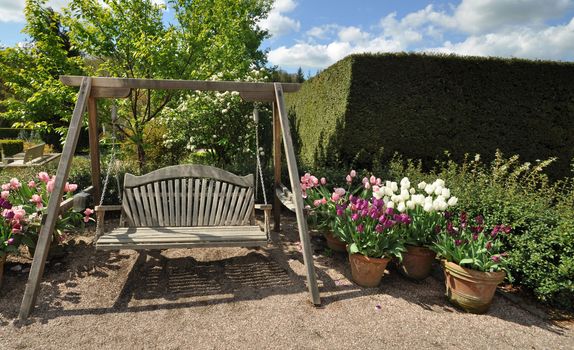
x: 188, y: 195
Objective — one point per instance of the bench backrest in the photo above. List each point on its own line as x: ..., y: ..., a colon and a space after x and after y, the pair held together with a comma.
x: 188, y: 195
x: 34, y: 152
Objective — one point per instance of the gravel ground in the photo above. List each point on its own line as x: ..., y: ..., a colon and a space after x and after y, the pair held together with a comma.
x: 245, y: 298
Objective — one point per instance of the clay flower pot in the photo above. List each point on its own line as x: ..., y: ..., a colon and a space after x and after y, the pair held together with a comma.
x: 334, y: 243
x: 367, y: 272
x: 417, y: 262
x: 470, y: 289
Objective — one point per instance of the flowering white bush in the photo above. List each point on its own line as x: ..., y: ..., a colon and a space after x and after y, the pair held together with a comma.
x: 219, y: 122
x: 427, y: 205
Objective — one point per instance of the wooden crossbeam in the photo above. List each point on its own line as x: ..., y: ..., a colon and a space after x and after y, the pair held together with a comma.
x: 298, y: 199
x: 203, y: 85
x: 51, y: 216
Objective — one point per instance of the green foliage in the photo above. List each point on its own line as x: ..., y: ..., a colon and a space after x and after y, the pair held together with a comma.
x: 507, y: 191
x: 10, y: 147
x: 35, y: 97
x: 130, y: 39
x: 420, y: 105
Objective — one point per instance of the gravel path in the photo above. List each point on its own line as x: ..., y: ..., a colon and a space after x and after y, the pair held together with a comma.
x: 243, y: 299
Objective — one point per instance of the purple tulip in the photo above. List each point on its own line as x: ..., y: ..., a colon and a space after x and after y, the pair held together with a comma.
x: 379, y: 228
x: 389, y: 223
x: 389, y: 211
x: 457, y: 242
x: 495, y: 258
x: 360, y: 228
x: 10, y: 241
x: 355, y: 217
x: 488, y: 245
x: 479, y: 219
x: 463, y: 217
x: 437, y: 229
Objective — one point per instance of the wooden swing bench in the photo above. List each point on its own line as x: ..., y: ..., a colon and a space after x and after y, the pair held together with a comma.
x: 185, y: 206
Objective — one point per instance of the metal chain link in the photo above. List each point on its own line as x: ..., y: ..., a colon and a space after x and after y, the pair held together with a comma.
x: 259, y: 168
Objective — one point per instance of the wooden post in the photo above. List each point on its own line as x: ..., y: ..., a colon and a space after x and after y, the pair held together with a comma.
x: 51, y: 216
x: 276, y: 168
x: 298, y: 199
x: 94, y: 148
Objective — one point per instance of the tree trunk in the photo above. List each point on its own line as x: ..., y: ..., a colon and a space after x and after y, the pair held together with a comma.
x: 141, y: 155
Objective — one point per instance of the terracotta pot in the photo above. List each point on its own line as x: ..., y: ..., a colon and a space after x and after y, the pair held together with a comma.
x: 470, y: 289
x: 334, y: 243
x: 2, y: 261
x: 417, y: 262
x: 367, y: 272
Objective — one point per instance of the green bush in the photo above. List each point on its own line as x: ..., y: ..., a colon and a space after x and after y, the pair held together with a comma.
x: 507, y: 191
x: 421, y: 105
x: 10, y: 147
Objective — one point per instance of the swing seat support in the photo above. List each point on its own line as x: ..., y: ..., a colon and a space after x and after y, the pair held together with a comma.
x: 185, y: 206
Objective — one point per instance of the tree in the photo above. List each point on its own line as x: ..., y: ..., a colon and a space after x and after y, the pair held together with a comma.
x: 299, y: 77
x: 35, y: 96
x: 130, y: 39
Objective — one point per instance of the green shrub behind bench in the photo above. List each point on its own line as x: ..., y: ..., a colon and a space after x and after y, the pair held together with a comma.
x: 10, y: 147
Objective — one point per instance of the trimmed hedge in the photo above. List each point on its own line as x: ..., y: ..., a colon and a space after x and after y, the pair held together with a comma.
x: 10, y: 147
x: 421, y: 105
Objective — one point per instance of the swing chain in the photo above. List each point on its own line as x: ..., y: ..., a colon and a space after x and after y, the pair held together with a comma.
x: 111, y: 162
x: 259, y: 167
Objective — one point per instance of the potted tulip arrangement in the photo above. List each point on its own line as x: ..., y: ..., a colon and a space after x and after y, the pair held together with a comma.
x: 373, y: 232
x: 31, y: 199
x: 473, y: 260
x: 426, y: 205
x: 322, y: 202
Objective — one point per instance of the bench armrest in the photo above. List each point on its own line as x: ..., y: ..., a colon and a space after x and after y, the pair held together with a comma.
x: 100, y: 214
x: 266, y: 217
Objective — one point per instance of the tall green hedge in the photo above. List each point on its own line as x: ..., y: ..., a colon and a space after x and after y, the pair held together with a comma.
x: 421, y: 105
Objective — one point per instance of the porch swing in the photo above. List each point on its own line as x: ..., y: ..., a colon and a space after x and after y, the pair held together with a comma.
x: 179, y: 206
x: 185, y: 206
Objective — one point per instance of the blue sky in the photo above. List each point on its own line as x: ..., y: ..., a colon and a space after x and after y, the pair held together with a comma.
x: 314, y: 34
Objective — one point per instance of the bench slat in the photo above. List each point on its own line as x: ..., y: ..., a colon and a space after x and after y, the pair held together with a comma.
x: 198, y: 244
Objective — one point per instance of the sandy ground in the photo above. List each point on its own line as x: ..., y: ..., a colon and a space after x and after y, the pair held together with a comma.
x: 237, y: 298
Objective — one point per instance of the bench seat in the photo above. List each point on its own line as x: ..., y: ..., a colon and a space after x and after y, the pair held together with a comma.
x: 182, y: 237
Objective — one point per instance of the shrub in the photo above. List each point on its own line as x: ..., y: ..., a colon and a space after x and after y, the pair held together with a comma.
x: 507, y: 191
x: 10, y: 147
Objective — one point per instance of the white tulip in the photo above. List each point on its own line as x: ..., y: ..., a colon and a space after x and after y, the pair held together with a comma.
x: 412, y: 190
x: 405, y: 183
x: 390, y: 204
x: 427, y: 207
x: 410, y: 204
x: 439, y: 182
x: 422, y: 185
x: 394, y: 186
x: 418, y: 199
x: 378, y: 194
x: 405, y: 195
x: 452, y: 201
x: 438, y: 190
x: 401, y: 207
x: 388, y: 191
x: 386, y: 199
x: 429, y: 189
x: 395, y: 198
x: 445, y: 193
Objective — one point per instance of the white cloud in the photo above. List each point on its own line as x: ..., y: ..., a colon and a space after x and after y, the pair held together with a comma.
x: 554, y: 42
x: 324, y: 31
x: 480, y: 16
x: 353, y: 35
x: 277, y: 23
x: 11, y: 11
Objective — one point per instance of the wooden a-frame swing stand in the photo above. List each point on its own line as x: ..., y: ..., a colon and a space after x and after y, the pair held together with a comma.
x: 92, y: 88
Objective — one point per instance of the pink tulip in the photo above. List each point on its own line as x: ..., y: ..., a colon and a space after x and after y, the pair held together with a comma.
x: 88, y: 212
x: 317, y: 202
x: 32, y: 184
x: 349, y: 179
x: 323, y: 200
x: 373, y: 180
x: 15, y: 184
x: 44, y: 177
x: 6, y: 187
x: 335, y: 197
x: 50, y: 186
x: 68, y: 187
x: 353, y: 173
x: 5, y: 194
x: 323, y: 181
